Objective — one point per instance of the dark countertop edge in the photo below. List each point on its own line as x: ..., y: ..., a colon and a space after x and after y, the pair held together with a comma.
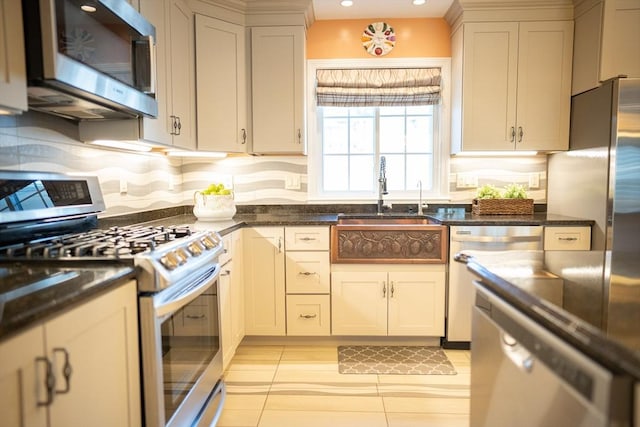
x: 583, y: 336
x: 69, y: 300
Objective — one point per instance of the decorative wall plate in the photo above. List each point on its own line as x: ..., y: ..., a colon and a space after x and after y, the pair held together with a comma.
x: 378, y: 38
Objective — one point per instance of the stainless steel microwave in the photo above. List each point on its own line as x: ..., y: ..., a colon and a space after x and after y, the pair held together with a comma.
x: 89, y: 59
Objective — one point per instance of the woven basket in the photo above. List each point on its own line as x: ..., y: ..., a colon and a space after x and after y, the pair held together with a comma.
x: 502, y: 206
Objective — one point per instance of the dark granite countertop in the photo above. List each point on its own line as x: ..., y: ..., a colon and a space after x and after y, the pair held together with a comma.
x: 55, y: 287
x: 528, y: 283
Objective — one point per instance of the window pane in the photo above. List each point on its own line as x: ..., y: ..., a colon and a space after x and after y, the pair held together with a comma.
x: 392, y: 134
x: 419, y: 167
x: 334, y: 111
x: 395, y: 172
x: 361, y: 174
x: 335, y: 173
x: 362, y: 135
x: 335, y: 136
x: 420, y: 134
x: 362, y: 111
x: 392, y: 111
x: 420, y: 109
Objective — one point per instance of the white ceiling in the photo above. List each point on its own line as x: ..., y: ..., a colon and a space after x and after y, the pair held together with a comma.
x: 331, y: 9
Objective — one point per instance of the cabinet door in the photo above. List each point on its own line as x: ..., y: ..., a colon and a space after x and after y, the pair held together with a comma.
x: 22, y: 380
x: 544, y: 85
x: 237, y: 290
x: 159, y: 130
x: 489, y: 85
x: 100, y: 341
x: 416, y: 303
x: 359, y: 303
x: 277, y: 76
x: 264, y: 281
x: 182, y: 69
x: 221, y: 85
x: 13, y: 75
x: 308, y: 315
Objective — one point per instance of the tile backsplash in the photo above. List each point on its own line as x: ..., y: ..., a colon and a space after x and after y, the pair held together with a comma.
x: 40, y: 142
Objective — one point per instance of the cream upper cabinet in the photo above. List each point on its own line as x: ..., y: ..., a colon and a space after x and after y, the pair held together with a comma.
x: 175, y: 74
x: 221, y: 86
x: 13, y: 74
x: 277, y: 89
x: 607, y: 36
x: 98, y: 341
x: 514, y: 86
x: 264, y: 281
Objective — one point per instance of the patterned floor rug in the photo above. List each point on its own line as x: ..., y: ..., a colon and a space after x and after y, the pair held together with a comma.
x: 402, y: 360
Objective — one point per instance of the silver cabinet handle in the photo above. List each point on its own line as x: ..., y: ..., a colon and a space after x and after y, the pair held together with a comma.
x: 567, y: 239
x: 384, y: 289
x: 243, y: 136
x: 308, y: 316
x: 66, y: 370
x: 174, y: 125
x: 49, y: 381
x: 279, y: 244
x: 392, y: 289
x: 307, y: 239
x: 179, y: 126
x: 306, y: 273
x: 192, y: 316
x: 520, y: 133
x: 513, y: 133
x: 299, y: 136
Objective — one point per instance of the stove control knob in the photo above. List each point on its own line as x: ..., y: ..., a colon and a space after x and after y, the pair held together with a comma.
x: 195, y: 248
x: 208, y: 242
x: 181, y: 255
x: 169, y: 261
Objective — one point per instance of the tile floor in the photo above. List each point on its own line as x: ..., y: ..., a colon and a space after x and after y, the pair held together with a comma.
x: 299, y: 386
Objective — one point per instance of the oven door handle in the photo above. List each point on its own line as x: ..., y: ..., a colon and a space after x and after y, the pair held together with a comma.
x: 169, y: 302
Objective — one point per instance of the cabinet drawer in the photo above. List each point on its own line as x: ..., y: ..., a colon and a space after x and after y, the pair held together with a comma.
x: 307, y: 272
x: 306, y: 238
x: 308, y: 315
x: 567, y: 238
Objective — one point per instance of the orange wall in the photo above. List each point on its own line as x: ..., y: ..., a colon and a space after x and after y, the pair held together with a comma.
x: 415, y: 37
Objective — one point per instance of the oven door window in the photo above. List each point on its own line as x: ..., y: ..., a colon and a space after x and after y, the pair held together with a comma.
x: 190, y: 340
x: 90, y: 33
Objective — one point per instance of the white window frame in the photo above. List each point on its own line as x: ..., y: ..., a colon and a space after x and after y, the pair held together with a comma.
x: 441, y: 154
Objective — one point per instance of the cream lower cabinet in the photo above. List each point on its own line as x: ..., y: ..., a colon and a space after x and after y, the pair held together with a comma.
x: 99, y: 340
x: 400, y: 303
x: 231, y: 297
x: 264, y: 281
x: 568, y: 238
x: 512, y: 86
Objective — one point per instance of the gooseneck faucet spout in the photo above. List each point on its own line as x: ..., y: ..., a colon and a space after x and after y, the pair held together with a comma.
x: 420, y: 211
x: 382, y: 184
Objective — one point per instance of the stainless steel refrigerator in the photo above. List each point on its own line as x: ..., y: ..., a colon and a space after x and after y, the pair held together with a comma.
x: 599, y: 179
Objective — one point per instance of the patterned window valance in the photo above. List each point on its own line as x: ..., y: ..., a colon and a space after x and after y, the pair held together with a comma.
x: 376, y: 87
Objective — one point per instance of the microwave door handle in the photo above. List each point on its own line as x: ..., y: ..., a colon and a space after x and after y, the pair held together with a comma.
x: 152, y: 65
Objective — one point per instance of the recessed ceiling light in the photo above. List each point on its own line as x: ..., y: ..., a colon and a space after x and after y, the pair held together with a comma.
x: 419, y: 2
x: 346, y: 3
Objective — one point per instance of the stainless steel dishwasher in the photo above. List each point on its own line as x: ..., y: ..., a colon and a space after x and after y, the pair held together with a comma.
x: 523, y: 375
x: 497, y: 240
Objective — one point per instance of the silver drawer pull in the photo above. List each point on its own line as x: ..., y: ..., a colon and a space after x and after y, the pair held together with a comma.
x: 191, y: 316
x: 66, y: 371
x: 49, y: 381
x: 307, y: 273
x: 308, y: 316
x: 568, y: 239
x: 306, y: 239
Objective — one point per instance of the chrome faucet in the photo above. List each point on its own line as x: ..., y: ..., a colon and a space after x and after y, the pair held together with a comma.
x: 382, y: 184
x: 420, y: 211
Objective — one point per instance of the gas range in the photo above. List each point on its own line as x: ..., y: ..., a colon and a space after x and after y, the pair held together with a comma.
x: 47, y: 217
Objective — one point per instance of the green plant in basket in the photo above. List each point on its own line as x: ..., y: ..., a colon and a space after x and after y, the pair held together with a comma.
x: 488, y: 191
x: 514, y: 191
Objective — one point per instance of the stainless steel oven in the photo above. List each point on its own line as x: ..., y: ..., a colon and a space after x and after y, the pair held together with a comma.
x: 181, y: 353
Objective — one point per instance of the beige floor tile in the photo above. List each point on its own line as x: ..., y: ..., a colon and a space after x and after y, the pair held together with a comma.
x: 338, y: 390
x: 423, y: 390
x: 323, y: 378
x: 322, y: 419
x: 249, y: 377
x: 253, y: 365
x: 431, y: 405
x: 324, y: 403
x: 319, y: 354
x: 238, y: 418
x: 427, y: 420
x: 306, y: 366
x: 458, y: 379
x: 254, y: 402
x: 259, y: 352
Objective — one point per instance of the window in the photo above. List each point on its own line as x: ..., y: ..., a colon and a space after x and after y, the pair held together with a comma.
x: 347, y: 143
